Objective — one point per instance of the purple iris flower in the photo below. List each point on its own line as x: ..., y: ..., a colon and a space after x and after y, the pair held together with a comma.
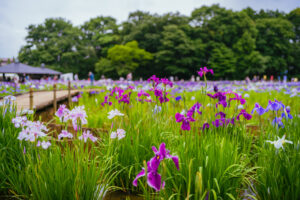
x: 106, y: 101
x: 125, y: 98
x: 178, y: 98
x: 218, y: 122
x: 286, y: 113
x: 245, y: 114
x: 238, y: 98
x: 216, y: 89
x: 153, y: 177
x: 163, y: 98
x: 194, y: 108
x: 221, y: 96
x: 185, y: 121
x: 259, y: 109
x: 158, y: 92
x: 222, y: 115
x: 205, y: 126
x: 274, y: 106
x: 223, y: 103
x: 231, y: 121
x: 278, y: 120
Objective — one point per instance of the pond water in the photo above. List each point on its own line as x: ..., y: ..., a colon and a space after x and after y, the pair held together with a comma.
x: 119, y: 195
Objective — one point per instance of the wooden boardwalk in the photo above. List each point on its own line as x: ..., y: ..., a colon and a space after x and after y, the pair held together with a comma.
x: 42, y: 99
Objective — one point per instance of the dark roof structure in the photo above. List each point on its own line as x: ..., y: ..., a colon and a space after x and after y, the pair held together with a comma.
x: 20, y: 68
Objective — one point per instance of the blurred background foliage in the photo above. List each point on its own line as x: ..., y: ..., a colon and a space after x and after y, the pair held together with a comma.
x: 235, y: 44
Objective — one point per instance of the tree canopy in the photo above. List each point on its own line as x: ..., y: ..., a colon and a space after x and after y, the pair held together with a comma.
x: 235, y: 44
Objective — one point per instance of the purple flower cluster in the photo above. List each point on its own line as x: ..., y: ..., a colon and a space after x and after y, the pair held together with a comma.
x: 87, y: 135
x: 31, y: 131
x: 185, y: 121
x: 143, y: 96
x: 159, y: 93
x: 275, y: 106
x: 221, y: 96
x: 106, y: 101
x: 77, y: 115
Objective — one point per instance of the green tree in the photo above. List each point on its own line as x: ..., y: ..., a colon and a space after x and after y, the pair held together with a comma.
x: 274, y: 41
x: 57, y: 44
x: 122, y: 59
x: 176, y: 55
x: 223, y: 62
x: 101, y: 33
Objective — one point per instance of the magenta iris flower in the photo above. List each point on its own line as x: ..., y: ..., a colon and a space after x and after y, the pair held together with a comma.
x: 163, y: 98
x: 195, y: 107
x: 218, y: 122
x: 245, y: 114
x: 216, y: 89
x: 238, y: 98
x: 153, y: 177
x: 155, y: 80
x: 158, y: 92
x: 125, y: 98
x: 222, y: 115
x: 144, y: 96
x: 205, y: 126
x: 106, y: 101
x: 204, y: 70
x: 185, y: 121
x: 221, y: 96
x: 166, y: 82
x: 143, y: 93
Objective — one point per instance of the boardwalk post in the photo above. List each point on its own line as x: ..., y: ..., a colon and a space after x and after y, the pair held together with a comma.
x: 15, y: 87
x: 31, y: 99
x: 54, y: 98
x: 69, y: 92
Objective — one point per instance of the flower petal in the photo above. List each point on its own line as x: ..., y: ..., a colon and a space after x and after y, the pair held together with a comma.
x: 139, y: 175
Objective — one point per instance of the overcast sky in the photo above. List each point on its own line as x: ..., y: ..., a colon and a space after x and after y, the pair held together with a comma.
x: 16, y: 15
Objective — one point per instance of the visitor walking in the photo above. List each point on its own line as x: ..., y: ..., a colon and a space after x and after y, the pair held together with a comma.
x: 91, y: 76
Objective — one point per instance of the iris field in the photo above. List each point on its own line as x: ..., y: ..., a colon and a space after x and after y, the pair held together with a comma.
x: 157, y: 139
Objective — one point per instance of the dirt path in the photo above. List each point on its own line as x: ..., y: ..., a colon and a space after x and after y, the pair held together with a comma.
x: 42, y: 99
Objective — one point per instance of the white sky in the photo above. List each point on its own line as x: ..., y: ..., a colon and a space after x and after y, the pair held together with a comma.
x: 16, y: 15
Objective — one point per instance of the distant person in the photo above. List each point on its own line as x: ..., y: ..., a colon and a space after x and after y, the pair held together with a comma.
x: 193, y: 78
x: 76, y: 77
x: 129, y: 77
x: 91, y: 76
x: 272, y: 78
x: 285, y: 78
x: 247, y: 80
x: 16, y: 79
x: 265, y: 77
